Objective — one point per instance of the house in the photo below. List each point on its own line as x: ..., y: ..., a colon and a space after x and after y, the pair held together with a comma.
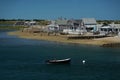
x: 52, y: 27
x: 75, y: 27
x: 30, y: 23
x: 89, y: 24
x: 63, y: 24
x: 19, y: 23
x: 25, y: 23
x: 75, y: 24
x: 114, y: 28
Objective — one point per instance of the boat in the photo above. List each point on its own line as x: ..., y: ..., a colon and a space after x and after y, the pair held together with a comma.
x: 59, y: 61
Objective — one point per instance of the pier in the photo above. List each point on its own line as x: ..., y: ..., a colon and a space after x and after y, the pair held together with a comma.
x: 85, y: 36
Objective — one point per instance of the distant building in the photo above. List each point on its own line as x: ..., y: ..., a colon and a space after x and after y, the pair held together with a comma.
x: 89, y: 23
x: 75, y: 27
x: 68, y: 24
x: 19, y: 23
x: 53, y: 27
x: 116, y: 27
x: 63, y: 24
x: 111, y: 28
x: 30, y: 23
x: 75, y: 24
x: 25, y: 23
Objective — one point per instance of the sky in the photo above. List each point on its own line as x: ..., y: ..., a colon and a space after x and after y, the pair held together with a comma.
x: 53, y: 9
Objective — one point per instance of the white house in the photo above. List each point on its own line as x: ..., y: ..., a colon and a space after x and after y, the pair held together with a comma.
x: 111, y: 28
x: 53, y: 27
x: 30, y: 23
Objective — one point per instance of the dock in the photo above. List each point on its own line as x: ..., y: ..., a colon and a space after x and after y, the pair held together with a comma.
x: 85, y: 36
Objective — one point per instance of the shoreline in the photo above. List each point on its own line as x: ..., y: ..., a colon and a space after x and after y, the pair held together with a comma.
x: 63, y: 38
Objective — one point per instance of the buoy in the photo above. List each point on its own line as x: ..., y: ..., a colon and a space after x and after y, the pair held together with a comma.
x: 83, y: 61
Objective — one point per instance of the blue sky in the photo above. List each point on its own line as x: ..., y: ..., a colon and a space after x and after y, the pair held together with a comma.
x: 52, y: 9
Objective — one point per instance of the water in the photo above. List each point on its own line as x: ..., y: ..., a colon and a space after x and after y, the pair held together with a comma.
x: 24, y: 59
x: 6, y: 25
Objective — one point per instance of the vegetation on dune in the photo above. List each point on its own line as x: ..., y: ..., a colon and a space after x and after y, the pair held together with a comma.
x: 13, y: 21
x: 108, y: 21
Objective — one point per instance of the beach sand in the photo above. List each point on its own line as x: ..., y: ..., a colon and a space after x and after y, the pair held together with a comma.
x: 63, y: 38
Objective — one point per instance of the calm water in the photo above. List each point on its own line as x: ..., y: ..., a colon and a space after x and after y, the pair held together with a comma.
x: 6, y: 25
x: 23, y: 59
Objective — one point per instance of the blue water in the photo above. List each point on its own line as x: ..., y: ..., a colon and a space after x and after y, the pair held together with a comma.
x: 6, y: 25
x: 24, y: 59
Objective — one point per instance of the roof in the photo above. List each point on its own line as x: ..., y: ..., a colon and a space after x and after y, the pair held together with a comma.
x: 75, y: 21
x: 89, y: 21
x: 61, y: 22
x: 106, y: 27
x: 53, y: 25
x: 20, y: 23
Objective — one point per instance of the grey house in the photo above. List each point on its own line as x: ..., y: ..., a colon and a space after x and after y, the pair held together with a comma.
x: 89, y: 23
x: 68, y: 24
x: 63, y: 24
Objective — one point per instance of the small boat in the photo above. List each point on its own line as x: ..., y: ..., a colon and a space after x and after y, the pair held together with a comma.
x: 59, y: 61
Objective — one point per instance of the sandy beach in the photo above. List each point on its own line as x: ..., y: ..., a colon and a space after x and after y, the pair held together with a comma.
x: 63, y: 38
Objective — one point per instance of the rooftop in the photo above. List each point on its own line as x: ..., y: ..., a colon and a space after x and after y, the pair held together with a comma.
x: 89, y: 20
x: 61, y: 22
